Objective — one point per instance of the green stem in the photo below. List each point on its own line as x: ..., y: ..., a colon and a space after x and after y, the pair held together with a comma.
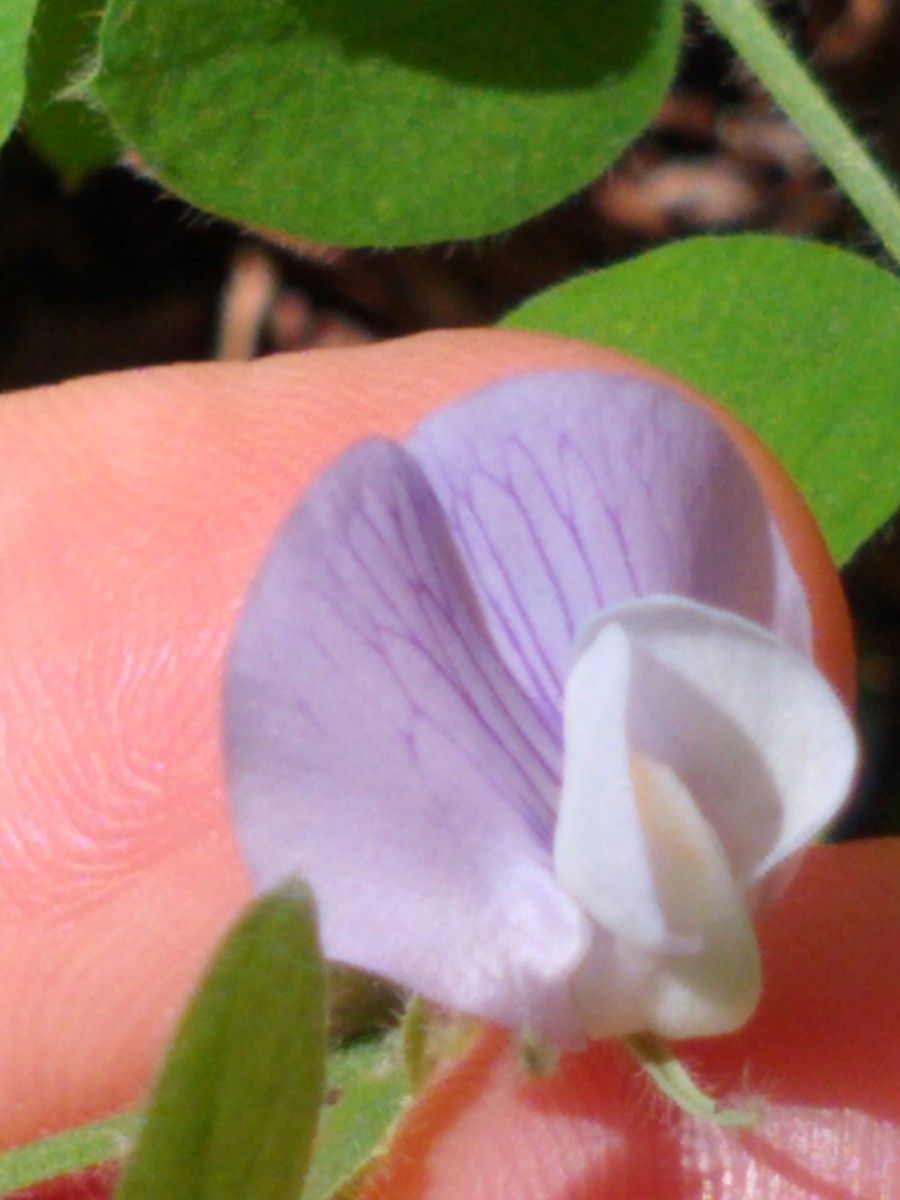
x: 65, y: 1153
x: 762, y: 47
x: 673, y: 1080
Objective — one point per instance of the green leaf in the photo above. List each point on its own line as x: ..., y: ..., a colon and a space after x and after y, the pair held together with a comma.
x: 64, y: 130
x: 65, y: 1153
x: 368, y: 1088
x: 16, y: 17
x: 800, y: 340
x: 400, y: 121
x: 236, y: 1106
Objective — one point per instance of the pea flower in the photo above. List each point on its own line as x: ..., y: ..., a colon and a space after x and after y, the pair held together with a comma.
x: 529, y: 701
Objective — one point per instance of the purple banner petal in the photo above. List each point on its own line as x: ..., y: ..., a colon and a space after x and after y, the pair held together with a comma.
x: 377, y: 745
x: 394, y: 698
x: 568, y: 492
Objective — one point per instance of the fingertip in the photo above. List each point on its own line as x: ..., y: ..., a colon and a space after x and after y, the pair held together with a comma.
x: 136, y: 508
x: 91, y: 997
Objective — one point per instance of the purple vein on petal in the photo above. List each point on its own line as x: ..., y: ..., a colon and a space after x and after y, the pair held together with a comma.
x: 444, y: 635
x: 567, y: 492
x: 509, y: 611
x: 438, y: 645
x: 377, y: 745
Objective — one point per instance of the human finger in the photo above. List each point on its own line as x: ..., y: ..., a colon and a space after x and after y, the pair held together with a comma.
x: 134, y: 510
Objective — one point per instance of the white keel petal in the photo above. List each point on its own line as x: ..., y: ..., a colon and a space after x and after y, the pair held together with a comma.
x: 634, y: 850
x: 700, y: 753
x: 714, y: 987
x: 599, y: 849
x: 751, y: 727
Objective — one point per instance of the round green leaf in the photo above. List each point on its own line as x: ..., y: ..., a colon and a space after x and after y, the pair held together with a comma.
x: 401, y: 121
x: 800, y: 340
x: 16, y: 17
x: 63, y: 129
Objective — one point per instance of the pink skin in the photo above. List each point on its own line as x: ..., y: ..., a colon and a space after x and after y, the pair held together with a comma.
x: 134, y: 510
x: 821, y: 1057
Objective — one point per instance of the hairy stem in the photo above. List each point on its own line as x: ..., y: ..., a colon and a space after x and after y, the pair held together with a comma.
x: 673, y: 1080
x: 64, y: 1153
x: 758, y: 42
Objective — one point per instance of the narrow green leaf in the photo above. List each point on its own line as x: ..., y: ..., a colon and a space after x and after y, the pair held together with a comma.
x: 367, y: 1089
x: 16, y: 17
x: 397, y: 122
x: 65, y: 1153
x: 64, y: 130
x: 800, y: 340
x: 236, y: 1106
